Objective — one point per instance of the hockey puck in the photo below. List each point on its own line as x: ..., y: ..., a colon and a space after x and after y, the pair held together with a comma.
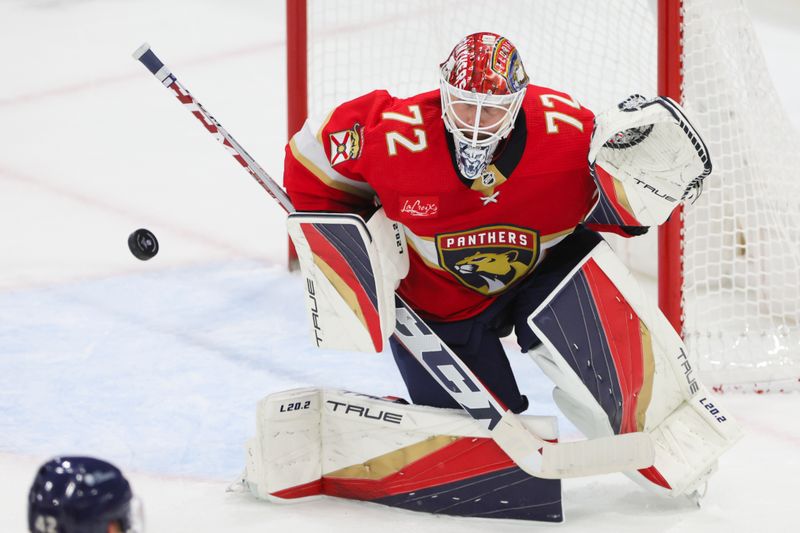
x: 143, y: 244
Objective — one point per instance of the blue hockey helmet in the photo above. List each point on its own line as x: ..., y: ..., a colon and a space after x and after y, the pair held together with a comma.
x: 81, y: 495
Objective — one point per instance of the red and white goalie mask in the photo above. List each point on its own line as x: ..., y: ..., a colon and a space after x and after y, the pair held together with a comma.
x: 482, y: 84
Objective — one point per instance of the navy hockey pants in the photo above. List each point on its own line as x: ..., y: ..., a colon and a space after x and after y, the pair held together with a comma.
x: 477, y: 340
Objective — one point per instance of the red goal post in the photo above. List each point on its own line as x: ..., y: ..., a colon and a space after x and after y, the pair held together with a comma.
x: 732, y: 288
x: 670, y: 234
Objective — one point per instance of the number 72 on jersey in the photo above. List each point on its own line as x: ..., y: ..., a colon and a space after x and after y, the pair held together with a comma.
x: 414, y: 118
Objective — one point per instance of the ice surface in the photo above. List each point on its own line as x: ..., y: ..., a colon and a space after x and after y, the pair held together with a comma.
x: 157, y: 366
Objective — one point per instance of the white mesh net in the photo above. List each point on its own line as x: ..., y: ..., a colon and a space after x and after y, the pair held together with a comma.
x: 741, y: 264
x: 742, y: 260
x: 357, y: 46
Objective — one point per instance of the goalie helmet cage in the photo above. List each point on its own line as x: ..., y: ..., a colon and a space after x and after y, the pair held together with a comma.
x: 728, y: 266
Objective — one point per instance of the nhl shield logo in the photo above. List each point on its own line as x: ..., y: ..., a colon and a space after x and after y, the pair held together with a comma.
x: 488, y: 179
x: 346, y: 144
x: 489, y: 259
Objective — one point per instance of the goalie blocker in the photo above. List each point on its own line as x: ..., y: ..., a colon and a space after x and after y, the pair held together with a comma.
x: 350, y: 285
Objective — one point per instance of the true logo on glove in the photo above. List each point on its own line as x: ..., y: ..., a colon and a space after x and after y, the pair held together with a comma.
x: 655, y: 191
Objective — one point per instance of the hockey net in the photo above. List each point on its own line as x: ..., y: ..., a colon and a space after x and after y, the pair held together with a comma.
x: 741, y: 251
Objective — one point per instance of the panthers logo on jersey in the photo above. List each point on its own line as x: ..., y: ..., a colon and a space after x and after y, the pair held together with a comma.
x: 488, y: 259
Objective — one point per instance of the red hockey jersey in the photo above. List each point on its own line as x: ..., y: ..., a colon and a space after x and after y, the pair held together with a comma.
x: 469, y: 240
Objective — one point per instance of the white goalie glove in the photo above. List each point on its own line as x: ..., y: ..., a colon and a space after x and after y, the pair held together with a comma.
x: 645, y: 157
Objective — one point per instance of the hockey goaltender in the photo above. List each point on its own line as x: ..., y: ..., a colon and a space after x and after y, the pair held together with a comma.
x: 484, y: 204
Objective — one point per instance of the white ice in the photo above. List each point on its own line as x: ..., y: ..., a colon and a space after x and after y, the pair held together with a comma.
x: 157, y: 366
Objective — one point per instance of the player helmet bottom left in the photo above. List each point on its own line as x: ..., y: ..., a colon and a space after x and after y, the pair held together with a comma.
x: 82, y: 495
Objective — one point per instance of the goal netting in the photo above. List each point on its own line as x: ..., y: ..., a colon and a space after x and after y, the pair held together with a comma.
x: 741, y: 255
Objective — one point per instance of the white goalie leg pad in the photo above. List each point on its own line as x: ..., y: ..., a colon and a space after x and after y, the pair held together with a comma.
x: 351, y: 271
x: 654, y: 387
x: 305, y: 435
x: 287, y: 449
x: 645, y: 157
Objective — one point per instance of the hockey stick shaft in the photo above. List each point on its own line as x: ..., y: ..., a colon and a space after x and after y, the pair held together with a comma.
x: 163, y: 74
x: 535, y: 456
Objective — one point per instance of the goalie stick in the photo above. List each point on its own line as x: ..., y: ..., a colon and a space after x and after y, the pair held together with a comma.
x: 532, y: 454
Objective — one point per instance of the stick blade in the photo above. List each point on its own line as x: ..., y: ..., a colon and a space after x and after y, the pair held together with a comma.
x: 618, y: 453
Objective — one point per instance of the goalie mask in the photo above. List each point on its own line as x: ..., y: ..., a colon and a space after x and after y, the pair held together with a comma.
x: 482, y: 84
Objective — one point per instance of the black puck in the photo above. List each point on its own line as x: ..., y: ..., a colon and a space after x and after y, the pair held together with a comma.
x: 143, y: 244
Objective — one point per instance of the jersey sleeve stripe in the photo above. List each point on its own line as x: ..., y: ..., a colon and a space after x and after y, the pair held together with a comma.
x: 311, y: 155
x: 321, y: 127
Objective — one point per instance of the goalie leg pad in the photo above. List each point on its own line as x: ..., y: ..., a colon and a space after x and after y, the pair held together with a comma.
x: 313, y: 442
x: 273, y: 464
x: 619, y: 367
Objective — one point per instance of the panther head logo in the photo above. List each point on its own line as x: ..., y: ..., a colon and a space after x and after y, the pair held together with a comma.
x: 489, y: 259
x: 497, y: 270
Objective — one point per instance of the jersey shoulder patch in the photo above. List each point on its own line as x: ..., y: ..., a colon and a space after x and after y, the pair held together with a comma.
x: 345, y: 145
x: 343, y: 133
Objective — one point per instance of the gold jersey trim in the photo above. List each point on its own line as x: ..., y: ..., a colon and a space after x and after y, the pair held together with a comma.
x: 332, y: 182
x: 424, y: 247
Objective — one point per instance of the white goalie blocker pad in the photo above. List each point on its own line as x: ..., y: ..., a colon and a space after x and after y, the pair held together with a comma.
x: 351, y: 270
x: 619, y: 367
x: 645, y: 157
x: 305, y: 435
